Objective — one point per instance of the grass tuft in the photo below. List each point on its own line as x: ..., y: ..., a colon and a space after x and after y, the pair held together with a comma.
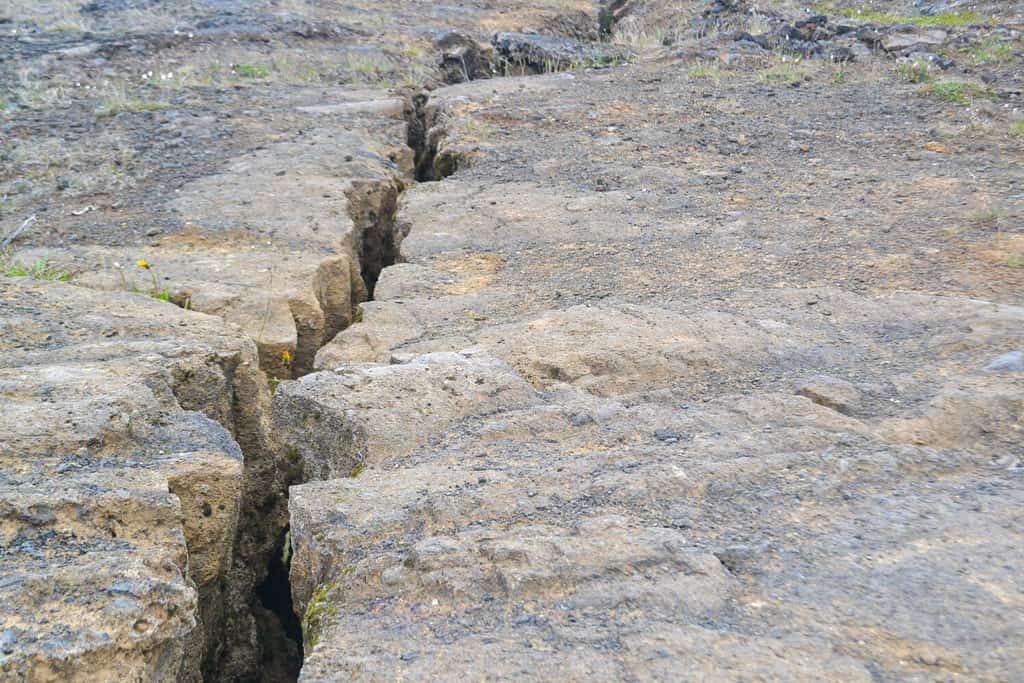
x: 252, y: 70
x: 41, y: 269
x: 940, y: 19
x: 915, y: 71
x: 991, y: 51
x: 955, y: 91
x: 785, y: 73
x: 368, y: 67
x: 116, y: 100
x: 704, y: 72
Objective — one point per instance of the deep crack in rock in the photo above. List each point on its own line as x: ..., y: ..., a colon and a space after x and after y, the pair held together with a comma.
x: 660, y: 385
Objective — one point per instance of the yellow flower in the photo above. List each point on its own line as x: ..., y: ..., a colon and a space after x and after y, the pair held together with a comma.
x: 286, y: 357
x: 142, y: 263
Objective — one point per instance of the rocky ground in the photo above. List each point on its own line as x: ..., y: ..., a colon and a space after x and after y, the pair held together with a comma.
x: 508, y: 340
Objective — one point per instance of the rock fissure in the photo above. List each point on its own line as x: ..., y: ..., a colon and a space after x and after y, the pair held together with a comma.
x: 374, y: 210
x: 425, y: 136
x: 687, y: 370
x: 376, y: 242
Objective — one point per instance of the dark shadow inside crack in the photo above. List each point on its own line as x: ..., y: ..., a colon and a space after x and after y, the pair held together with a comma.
x: 280, y: 630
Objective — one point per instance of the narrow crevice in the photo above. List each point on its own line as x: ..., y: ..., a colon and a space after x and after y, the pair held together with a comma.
x: 416, y: 138
x: 373, y: 207
x: 234, y: 628
x: 424, y: 135
x: 253, y: 631
x: 280, y: 632
x: 264, y: 544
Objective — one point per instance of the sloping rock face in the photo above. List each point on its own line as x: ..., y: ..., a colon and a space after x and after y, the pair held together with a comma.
x: 138, y: 484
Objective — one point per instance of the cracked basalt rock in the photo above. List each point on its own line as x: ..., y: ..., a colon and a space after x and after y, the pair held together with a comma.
x: 679, y: 370
x: 713, y: 478
x: 334, y: 422
x: 290, y: 293
x: 132, y: 441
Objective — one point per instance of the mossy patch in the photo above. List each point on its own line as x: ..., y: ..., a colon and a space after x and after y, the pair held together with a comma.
x: 318, y: 612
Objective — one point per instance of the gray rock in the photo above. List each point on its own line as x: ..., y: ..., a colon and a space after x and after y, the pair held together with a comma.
x: 1011, y: 361
x: 837, y: 394
x: 894, y: 42
x: 545, y: 53
x: 334, y: 422
x: 667, y: 435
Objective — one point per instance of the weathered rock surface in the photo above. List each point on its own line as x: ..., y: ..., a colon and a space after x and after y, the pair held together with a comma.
x: 746, y: 459
x: 596, y: 535
x: 286, y: 235
x: 335, y: 422
x: 123, y: 488
x: 702, y: 367
x: 284, y: 251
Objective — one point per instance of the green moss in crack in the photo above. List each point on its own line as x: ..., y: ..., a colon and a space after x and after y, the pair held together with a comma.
x: 357, y: 470
x: 317, y: 613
